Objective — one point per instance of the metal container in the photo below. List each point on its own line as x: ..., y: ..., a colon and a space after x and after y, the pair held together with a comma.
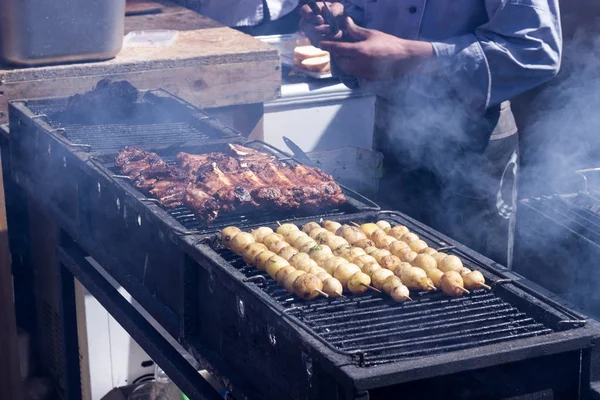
x: 38, y: 32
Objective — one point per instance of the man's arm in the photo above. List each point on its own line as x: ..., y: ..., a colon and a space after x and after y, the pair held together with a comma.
x: 518, y: 49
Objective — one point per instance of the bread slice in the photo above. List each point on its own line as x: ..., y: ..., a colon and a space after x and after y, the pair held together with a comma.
x: 317, y: 64
x: 305, y: 52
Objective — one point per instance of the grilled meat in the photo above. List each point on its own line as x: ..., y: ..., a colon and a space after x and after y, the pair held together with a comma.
x: 193, y: 162
x: 152, y: 175
x: 242, y: 180
x: 205, y: 207
x: 249, y: 157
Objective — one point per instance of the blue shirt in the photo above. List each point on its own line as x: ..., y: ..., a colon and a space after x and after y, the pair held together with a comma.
x: 489, y: 50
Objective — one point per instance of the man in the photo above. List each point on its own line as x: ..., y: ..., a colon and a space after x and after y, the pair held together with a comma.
x: 444, y: 72
x: 254, y: 17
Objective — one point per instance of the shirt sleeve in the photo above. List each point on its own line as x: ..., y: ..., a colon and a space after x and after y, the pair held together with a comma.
x: 518, y: 49
x: 354, y: 9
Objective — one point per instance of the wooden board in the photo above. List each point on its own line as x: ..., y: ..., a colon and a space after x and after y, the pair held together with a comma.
x: 209, y: 65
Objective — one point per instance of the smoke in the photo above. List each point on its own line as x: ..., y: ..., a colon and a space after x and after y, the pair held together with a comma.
x: 561, y: 135
x: 563, y: 129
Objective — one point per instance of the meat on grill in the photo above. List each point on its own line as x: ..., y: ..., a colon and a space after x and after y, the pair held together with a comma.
x: 152, y: 175
x: 240, y: 180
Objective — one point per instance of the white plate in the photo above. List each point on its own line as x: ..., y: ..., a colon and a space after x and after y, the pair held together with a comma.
x: 286, y: 44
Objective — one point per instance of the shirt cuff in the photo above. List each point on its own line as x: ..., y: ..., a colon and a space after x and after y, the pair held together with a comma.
x: 464, y: 64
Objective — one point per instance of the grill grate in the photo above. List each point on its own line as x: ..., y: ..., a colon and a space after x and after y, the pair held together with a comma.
x: 376, y: 330
x: 148, y: 125
x: 578, y: 212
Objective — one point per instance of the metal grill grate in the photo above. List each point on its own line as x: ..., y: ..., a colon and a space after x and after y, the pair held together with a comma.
x: 185, y: 217
x: 147, y: 126
x: 578, y: 212
x: 375, y: 330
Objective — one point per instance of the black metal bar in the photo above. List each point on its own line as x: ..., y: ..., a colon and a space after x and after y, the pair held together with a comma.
x: 159, y: 349
x: 70, y: 337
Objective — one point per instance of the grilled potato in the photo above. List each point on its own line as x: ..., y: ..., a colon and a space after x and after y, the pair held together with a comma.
x: 260, y: 233
x: 288, y: 283
x: 452, y: 284
x: 308, y: 228
x: 240, y: 241
x: 344, y: 272
x: 252, y: 251
x: 332, y: 287
x: 307, y: 286
x: 384, y: 225
x: 390, y: 283
x: 358, y: 283
x: 331, y: 226
x: 228, y: 233
x: 286, y: 228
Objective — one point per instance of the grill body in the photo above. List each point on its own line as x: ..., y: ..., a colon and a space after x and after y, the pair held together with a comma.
x: 514, y: 341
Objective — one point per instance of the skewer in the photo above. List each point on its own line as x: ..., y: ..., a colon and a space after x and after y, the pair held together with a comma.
x: 278, y: 223
x: 464, y: 290
x: 483, y: 285
x: 371, y: 287
x: 355, y: 224
x: 431, y: 287
x: 408, y: 297
x: 322, y: 293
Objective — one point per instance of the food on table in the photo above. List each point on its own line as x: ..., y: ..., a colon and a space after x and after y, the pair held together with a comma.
x: 312, y: 58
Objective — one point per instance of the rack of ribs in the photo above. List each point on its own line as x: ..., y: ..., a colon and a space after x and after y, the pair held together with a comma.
x: 240, y: 180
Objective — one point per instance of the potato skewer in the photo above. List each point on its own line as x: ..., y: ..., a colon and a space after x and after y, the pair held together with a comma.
x: 304, y: 285
x: 355, y: 255
x: 344, y: 273
x: 428, y: 258
x: 330, y: 286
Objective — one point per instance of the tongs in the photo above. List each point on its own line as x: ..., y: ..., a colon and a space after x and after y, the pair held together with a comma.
x: 327, y: 15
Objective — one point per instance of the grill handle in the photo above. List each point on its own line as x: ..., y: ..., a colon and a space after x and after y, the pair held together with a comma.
x: 370, y: 204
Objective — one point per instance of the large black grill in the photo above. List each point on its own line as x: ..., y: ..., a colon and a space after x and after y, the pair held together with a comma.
x: 482, y: 345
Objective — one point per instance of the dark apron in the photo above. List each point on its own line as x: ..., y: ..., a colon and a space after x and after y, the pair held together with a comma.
x: 457, y: 176
x: 287, y: 24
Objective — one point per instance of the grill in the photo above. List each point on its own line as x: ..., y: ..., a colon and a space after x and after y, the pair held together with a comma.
x: 368, y: 342
x: 568, y: 226
x: 484, y: 345
x: 374, y: 330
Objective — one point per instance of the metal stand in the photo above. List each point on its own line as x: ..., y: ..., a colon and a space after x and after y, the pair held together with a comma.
x: 74, y: 264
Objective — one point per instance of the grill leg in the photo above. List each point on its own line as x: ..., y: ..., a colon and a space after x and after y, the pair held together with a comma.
x: 158, y: 348
x: 70, y: 337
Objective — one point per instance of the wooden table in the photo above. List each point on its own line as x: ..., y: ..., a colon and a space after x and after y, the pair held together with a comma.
x: 209, y: 65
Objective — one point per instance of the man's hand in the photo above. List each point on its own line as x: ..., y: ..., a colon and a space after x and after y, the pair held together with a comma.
x: 314, y: 26
x: 376, y: 55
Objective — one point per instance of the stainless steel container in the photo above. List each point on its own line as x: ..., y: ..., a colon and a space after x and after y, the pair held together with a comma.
x: 38, y: 32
